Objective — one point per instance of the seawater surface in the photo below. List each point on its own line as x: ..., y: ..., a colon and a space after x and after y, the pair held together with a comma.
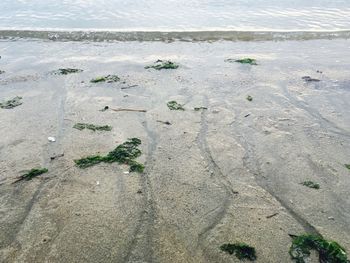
x: 175, y: 15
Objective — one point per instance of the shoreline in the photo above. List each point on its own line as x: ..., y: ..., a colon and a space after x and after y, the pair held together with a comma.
x: 169, y: 36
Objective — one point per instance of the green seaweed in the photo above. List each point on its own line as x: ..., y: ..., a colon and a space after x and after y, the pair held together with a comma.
x: 329, y: 251
x: 173, y: 105
x: 241, y: 250
x: 16, y: 101
x: 108, y: 79
x: 249, y: 98
x: 31, y: 174
x: 249, y: 61
x: 200, y: 108
x: 89, y: 161
x: 136, y: 167
x: 66, y: 71
x: 161, y: 64
x: 124, y: 153
x: 82, y: 126
x: 347, y: 166
x: 311, y: 184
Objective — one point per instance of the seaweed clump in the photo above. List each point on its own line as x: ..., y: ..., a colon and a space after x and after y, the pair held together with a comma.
x: 241, y: 250
x: 82, y: 126
x: 249, y: 61
x: 2, y: 72
x: 309, y: 79
x: 329, y: 251
x: 108, y: 79
x: 16, y: 101
x: 200, y: 108
x: 66, y: 71
x: 161, y: 64
x: 173, y: 105
x: 249, y: 98
x: 31, y: 174
x: 347, y: 166
x: 125, y: 153
x: 311, y: 184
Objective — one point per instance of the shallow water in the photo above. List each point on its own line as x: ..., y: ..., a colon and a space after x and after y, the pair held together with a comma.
x: 180, y: 15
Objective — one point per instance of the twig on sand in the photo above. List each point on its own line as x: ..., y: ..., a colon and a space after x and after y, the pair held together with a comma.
x: 128, y: 87
x: 123, y: 109
x: 164, y: 122
x: 275, y: 214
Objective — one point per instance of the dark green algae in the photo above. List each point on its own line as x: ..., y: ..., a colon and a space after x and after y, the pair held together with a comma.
x: 311, y: 184
x: 81, y: 126
x: 108, y: 79
x: 249, y: 61
x: 12, y: 103
x: 173, y: 105
x: 32, y: 174
x: 240, y: 250
x: 124, y: 153
x: 163, y: 64
x: 328, y: 251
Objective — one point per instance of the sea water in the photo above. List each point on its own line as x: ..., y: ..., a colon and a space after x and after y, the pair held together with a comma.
x: 175, y: 15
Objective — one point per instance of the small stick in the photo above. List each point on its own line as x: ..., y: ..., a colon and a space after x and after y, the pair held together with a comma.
x: 128, y: 87
x: 121, y: 109
x: 18, y: 179
x: 164, y: 122
x: 275, y: 214
x: 57, y: 156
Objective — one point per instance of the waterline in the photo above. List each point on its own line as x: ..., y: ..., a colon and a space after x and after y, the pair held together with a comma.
x: 189, y: 36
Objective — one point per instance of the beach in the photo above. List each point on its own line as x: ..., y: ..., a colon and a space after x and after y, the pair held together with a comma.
x: 231, y: 170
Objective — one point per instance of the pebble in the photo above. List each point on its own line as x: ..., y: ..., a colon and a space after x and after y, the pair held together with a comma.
x: 51, y: 139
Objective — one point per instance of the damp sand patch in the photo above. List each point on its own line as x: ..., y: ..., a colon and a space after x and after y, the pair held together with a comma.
x: 125, y: 153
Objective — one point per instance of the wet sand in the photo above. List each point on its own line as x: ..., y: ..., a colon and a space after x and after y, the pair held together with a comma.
x: 230, y: 173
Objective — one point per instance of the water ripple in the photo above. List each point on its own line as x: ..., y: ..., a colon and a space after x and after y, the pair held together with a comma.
x: 170, y: 15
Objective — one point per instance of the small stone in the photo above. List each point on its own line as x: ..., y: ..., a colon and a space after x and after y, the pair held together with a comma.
x: 51, y: 139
